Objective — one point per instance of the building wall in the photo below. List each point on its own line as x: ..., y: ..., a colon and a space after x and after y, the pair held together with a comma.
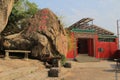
x: 105, y: 49
x: 102, y: 49
x: 71, y: 46
x: 90, y: 47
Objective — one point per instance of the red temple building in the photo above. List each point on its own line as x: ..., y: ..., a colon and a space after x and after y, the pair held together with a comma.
x: 92, y: 40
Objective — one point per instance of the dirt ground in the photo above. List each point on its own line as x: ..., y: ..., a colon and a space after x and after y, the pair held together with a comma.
x: 18, y: 69
x: 103, y: 70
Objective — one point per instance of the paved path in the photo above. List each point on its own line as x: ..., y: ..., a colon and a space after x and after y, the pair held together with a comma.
x: 103, y: 70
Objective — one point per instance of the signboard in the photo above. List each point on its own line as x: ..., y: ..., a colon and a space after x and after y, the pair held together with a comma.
x: 84, y: 35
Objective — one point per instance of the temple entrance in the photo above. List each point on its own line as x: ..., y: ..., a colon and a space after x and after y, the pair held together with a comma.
x: 82, y: 46
x: 85, y: 46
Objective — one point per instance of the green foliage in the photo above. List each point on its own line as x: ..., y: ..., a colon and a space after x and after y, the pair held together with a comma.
x: 70, y: 39
x: 22, y: 10
x: 63, y: 60
x: 61, y: 18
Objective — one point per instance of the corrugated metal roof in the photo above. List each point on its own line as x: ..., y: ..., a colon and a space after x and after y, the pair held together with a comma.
x: 83, y: 24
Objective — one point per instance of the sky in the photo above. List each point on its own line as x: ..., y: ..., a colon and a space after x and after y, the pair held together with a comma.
x: 104, y: 12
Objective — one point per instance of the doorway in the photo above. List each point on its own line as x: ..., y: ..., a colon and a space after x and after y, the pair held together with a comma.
x: 82, y: 46
x: 85, y: 46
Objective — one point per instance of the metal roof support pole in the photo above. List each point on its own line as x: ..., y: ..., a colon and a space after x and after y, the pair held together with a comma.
x: 118, y: 34
x: 94, y: 43
x: 92, y: 22
x: 94, y: 46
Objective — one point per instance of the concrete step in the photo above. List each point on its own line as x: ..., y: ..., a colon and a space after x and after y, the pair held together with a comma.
x: 14, y: 73
x: 85, y: 58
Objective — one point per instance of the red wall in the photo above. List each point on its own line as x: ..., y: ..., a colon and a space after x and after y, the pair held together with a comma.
x: 90, y: 47
x: 71, y: 51
x: 70, y: 54
x: 109, y: 48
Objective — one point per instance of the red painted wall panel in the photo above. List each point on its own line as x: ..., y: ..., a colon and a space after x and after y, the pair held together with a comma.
x: 71, y: 51
x: 70, y: 54
x: 108, y: 48
x: 90, y: 47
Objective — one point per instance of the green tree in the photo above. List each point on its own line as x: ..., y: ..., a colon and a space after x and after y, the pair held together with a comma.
x: 22, y: 10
